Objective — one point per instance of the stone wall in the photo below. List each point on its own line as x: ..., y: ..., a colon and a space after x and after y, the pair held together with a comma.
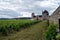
x: 55, y: 16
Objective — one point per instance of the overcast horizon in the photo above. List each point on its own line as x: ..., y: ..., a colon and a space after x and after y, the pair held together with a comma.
x: 24, y: 8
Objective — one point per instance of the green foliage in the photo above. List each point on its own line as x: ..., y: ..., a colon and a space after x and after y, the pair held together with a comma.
x: 58, y: 36
x: 50, y: 33
x: 8, y: 26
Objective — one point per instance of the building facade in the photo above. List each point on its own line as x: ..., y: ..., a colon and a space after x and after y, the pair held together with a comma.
x: 55, y: 17
x: 44, y: 16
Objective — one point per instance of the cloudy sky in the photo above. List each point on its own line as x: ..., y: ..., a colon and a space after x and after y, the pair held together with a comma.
x: 24, y: 8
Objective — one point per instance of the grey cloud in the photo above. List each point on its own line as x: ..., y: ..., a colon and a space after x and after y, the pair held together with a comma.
x: 24, y: 7
x: 9, y: 13
x: 39, y: 0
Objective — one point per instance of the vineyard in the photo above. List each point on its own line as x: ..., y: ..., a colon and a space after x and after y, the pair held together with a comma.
x: 8, y: 26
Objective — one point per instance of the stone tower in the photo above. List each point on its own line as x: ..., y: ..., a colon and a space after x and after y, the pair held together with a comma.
x: 45, y: 15
x: 33, y: 14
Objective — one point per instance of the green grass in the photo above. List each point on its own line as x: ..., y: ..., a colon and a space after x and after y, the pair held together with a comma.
x: 35, y: 32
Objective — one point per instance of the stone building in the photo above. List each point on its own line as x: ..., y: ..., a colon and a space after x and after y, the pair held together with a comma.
x: 44, y: 16
x: 55, y: 17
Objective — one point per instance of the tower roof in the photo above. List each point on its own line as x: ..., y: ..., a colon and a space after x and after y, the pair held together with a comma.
x: 45, y: 11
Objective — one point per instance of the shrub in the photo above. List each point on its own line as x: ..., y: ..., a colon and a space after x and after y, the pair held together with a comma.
x: 50, y: 33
